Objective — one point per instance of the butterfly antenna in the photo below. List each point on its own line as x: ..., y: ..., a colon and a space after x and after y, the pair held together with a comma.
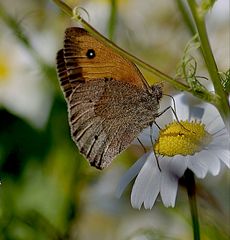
x: 157, y: 126
x: 174, y: 102
x: 173, y: 109
x: 151, y: 133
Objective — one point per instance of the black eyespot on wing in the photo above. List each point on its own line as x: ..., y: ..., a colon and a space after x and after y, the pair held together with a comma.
x: 90, y: 54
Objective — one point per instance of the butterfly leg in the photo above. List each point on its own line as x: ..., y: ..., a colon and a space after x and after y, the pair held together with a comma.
x: 142, y: 145
x: 156, y: 157
x: 174, y: 113
x: 151, y: 138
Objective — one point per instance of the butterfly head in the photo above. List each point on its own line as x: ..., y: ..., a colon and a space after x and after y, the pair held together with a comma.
x: 157, y: 91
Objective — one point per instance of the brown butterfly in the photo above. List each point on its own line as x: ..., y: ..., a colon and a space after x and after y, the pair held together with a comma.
x: 109, y: 101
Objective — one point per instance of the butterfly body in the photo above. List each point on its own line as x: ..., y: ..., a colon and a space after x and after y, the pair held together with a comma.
x: 109, y: 102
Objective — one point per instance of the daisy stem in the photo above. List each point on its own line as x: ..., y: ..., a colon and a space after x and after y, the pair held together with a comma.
x: 199, y: 19
x: 191, y: 191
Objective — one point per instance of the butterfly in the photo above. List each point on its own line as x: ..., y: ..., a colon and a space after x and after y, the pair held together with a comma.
x: 109, y: 101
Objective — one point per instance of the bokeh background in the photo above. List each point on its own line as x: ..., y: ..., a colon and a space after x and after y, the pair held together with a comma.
x: 48, y: 191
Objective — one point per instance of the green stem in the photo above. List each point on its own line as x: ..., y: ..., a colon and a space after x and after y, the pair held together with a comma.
x: 112, y: 19
x: 191, y: 191
x: 198, y: 16
x: 64, y: 7
x: 186, y: 16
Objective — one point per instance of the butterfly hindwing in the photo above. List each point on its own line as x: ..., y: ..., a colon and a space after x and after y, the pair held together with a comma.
x: 100, y: 125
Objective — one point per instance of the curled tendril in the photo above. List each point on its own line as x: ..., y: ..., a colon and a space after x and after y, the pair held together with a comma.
x: 192, y: 44
x: 202, y: 77
x: 188, y: 71
x: 188, y: 67
x: 78, y: 13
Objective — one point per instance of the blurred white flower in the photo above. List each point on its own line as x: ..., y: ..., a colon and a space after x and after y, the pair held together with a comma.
x: 201, y: 145
x: 23, y: 89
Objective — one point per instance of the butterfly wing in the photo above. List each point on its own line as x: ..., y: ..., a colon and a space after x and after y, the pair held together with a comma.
x: 104, y: 63
x: 63, y: 75
x: 107, y: 107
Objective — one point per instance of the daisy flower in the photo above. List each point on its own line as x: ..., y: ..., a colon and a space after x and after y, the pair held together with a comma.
x: 199, y: 142
x: 23, y: 89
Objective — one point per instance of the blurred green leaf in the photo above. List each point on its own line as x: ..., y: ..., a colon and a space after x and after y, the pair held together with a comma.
x: 20, y: 143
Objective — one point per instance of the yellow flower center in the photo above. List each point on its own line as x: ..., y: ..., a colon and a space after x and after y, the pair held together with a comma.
x: 182, y: 138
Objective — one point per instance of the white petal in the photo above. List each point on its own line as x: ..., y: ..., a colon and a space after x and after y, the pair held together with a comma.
x: 211, y: 161
x: 146, y: 135
x: 223, y: 155
x: 168, y: 188
x: 182, y: 111
x: 197, y: 166
x: 130, y: 175
x: 146, y: 186
x: 215, y: 124
x: 195, y: 113
x: 153, y: 191
x: 218, y: 146
x: 220, y: 141
x: 227, y: 125
x: 178, y: 165
x: 220, y: 132
x: 211, y: 116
